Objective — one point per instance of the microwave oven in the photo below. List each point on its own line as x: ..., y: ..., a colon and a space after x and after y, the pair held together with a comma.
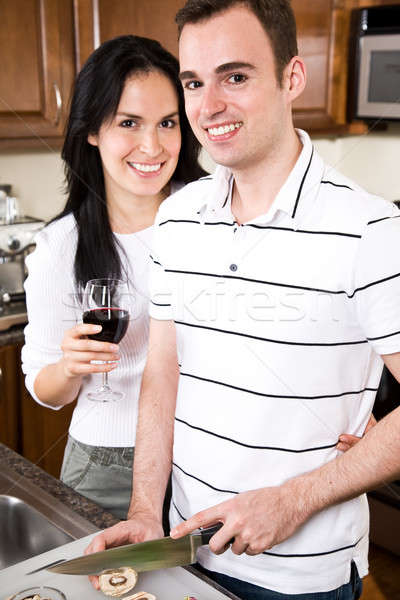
x: 374, y: 74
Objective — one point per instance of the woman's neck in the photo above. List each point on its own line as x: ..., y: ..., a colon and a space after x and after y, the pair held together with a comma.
x: 130, y: 215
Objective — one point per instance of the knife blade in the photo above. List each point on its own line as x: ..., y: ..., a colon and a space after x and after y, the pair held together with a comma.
x: 145, y: 556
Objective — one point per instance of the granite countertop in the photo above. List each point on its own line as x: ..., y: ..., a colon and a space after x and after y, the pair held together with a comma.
x: 14, y: 335
x: 56, y: 488
x: 60, y: 498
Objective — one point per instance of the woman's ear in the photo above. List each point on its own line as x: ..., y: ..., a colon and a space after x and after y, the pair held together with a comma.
x: 92, y: 139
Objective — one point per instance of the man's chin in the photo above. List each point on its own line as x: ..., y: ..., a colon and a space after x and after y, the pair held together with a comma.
x: 220, y: 158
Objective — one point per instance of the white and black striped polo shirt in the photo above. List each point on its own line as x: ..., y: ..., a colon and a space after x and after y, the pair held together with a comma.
x: 280, y: 323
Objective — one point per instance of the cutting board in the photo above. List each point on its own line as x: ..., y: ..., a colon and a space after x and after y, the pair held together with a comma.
x: 166, y: 584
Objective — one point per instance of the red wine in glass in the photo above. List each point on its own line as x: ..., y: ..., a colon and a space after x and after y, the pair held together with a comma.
x: 114, y: 322
x: 106, y: 303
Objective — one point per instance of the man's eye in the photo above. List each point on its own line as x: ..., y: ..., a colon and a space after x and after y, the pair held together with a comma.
x: 237, y: 78
x: 168, y: 124
x: 192, y: 85
x: 128, y: 123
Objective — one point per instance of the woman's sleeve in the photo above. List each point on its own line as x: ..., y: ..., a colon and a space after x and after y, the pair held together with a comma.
x: 51, y: 306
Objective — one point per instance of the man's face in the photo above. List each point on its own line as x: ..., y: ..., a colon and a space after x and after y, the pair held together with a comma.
x: 234, y: 103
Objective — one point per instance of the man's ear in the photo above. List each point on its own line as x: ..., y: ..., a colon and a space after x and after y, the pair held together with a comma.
x: 295, y: 77
x: 92, y: 139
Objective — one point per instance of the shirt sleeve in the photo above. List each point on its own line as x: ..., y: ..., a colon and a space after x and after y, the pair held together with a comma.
x: 160, y: 305
x: 51, y: 307
x: 377, y: 284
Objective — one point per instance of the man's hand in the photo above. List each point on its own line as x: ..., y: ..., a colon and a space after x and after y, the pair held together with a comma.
x: 139, y: 528
x: 257, y: 520
x: 347, y: 441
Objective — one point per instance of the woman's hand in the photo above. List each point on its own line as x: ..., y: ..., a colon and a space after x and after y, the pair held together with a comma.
x: 347, y: 441
x: 79, y: 351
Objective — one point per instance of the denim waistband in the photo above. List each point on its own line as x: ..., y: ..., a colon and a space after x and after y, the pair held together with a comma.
x: 105, y: 455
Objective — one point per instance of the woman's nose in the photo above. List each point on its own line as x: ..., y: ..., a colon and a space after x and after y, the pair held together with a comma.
x: 150, y: 143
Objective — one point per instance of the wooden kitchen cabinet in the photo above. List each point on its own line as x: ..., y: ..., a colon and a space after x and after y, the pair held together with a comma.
x: 99, y: 20
x: 323, y: 39
x: 9, y: 397
x: 38, y: 433
x: 44, y: 433
x: 323, y: 33
x: 37, y: 71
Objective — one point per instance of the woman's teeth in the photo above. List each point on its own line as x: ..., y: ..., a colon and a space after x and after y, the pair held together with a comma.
x: 224, y: 129
x: 146, y: 168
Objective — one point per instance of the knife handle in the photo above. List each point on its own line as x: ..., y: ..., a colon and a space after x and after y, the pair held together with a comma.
x: 207, y: 533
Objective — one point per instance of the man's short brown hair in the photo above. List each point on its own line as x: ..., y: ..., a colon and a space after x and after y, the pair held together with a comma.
x: 276, y: 17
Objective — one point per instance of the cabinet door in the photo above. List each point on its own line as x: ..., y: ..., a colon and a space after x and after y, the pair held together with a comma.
x: 36, y: 46
x: 323, y: 30
x: 44, y: 433
x: 9, y: 397
x: 99, y: 20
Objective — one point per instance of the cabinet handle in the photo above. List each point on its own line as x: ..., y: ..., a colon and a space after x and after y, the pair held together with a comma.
x: 58, y: 103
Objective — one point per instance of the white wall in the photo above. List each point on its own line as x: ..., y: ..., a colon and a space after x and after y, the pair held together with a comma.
x: 372, y: 160
x: 37, y: 180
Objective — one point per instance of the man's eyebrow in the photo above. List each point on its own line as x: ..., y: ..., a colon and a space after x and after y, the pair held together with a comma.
x: 230, y: 66
x: 233, y: 66
x: 187, y: 75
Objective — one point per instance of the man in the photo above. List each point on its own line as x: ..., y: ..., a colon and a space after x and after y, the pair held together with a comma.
x: 275, y: 288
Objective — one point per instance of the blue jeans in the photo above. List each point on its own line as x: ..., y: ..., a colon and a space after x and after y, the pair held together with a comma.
x: 248, y: 591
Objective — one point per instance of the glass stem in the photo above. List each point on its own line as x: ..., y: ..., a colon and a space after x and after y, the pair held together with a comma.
x: 105, y: 380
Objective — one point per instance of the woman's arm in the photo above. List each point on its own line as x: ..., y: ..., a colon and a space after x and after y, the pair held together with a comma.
x: 56, y: 354
x: 59, y: 383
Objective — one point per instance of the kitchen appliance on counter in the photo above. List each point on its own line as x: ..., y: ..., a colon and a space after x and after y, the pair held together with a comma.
x: 16, y: 242
x: 374, y: 74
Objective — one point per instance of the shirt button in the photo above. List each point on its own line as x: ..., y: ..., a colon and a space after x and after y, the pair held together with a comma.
x: 233, y: 267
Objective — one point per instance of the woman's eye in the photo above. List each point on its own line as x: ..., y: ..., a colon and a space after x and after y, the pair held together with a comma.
x: 192, y: 85
x: 168, y: 124
x: 128, y: 123
x: 237, y: 78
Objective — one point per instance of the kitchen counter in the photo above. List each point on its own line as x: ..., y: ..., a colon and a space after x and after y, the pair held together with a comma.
x: 28, y: 472
x: 14, y: 335
x: 67, y: 509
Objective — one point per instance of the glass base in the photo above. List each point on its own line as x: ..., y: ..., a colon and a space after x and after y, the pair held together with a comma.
x: 105, y: 394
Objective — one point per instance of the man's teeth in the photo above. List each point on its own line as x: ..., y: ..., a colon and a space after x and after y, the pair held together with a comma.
x: 146, y: 168
x: 224, y: 129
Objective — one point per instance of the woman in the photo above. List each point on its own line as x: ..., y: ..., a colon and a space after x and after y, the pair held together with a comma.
x: 128, y: 145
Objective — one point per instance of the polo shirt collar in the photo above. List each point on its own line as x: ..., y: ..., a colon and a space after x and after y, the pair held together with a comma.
x: 295, y: 197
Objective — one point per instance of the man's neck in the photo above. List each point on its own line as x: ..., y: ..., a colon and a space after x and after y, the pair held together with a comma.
x: 255, y: 188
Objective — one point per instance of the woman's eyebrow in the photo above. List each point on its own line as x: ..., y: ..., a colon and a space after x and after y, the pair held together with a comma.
x: 137, y: 117
x: 174, y: 114
x: 129, y: 115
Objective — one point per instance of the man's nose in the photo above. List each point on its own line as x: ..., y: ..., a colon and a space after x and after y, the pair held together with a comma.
x: 150, y: 143
x: 212, y: 102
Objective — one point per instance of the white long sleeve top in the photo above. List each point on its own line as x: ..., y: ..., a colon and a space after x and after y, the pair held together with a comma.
x: 53, y: 308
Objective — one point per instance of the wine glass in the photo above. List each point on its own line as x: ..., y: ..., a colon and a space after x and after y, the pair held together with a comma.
x: 106, y: 303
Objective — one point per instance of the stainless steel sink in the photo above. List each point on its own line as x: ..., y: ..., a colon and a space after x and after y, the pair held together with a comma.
x: 25, y: 532
x: 33, y: 521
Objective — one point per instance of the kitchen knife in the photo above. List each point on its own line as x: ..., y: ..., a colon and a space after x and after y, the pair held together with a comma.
x: 146, y: 556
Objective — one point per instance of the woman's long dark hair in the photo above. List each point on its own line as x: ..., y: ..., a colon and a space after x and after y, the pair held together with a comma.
x: 97, y: 92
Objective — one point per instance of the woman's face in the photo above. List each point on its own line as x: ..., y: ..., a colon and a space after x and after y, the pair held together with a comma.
x: 139, y: 147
